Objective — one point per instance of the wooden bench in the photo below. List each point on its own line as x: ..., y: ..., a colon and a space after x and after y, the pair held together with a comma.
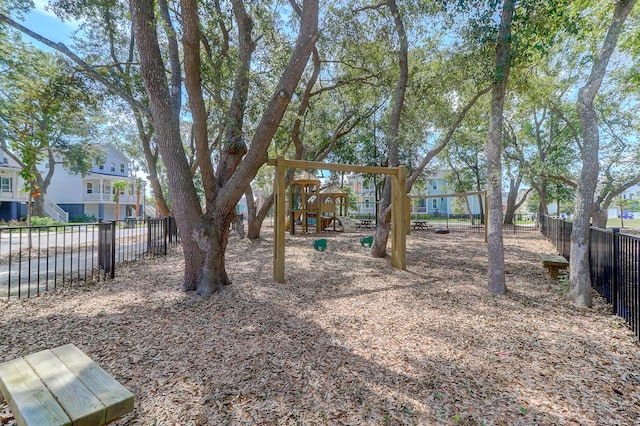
x: 554, y: 263
x: 62, y: 386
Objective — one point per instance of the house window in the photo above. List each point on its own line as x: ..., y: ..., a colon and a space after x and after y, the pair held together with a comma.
x: 101, y: 167
x: 434, y: 204
x: 366, y: 204
x: 113, y: 166
x: 434, y: 185
x: 89, y: 188
x: 6, y: 184
x: 121, y: 168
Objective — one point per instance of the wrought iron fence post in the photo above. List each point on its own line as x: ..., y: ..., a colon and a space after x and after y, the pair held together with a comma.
x: 107, y: 247
x: 561, y: 248
x: 167, y: 223
x: 113, y: 249
x: 149, y: 230
x: 614, y: 282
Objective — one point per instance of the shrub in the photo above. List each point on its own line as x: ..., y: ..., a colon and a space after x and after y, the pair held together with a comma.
x: 11, y: 223
x: 43, y: 221
x: 83, y: 218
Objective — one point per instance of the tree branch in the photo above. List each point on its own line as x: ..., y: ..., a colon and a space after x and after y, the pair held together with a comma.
x: 436, y: 150
x: 62, y: 48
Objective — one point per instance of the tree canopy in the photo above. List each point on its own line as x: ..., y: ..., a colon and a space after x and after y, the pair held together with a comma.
x: 204, y: 92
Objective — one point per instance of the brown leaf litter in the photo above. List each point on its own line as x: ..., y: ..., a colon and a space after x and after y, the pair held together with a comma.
x: 346, y: 339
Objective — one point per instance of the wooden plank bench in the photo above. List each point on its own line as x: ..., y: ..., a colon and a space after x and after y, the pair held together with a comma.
x: 62, y: 386
x: 554, y: 263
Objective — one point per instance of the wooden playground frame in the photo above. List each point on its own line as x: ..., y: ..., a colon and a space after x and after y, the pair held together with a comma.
x: 399, y: 205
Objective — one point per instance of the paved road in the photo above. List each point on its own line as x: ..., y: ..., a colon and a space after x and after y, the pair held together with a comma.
x: 57, y: 257
x: 15, y: 241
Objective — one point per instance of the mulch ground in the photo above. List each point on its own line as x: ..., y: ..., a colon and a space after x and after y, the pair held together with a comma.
x: 346, y: 339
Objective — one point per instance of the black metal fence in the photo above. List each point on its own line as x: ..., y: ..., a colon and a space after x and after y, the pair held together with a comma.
x: 559, y: 232
x: 614, y: 260
x: 37, y: 259
x: 511, y: 224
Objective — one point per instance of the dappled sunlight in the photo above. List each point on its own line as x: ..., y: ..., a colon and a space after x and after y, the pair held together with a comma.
x: 346, y: 339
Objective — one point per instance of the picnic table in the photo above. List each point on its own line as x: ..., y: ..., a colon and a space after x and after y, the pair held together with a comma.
x: 421, y: 224
x: 366, y: 223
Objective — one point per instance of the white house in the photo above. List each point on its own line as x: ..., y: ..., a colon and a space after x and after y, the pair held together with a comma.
x: 12, y: 198
x: 70, y: 194
x: 93, y: 194
x: 436, y: 185
x: 365, y: 193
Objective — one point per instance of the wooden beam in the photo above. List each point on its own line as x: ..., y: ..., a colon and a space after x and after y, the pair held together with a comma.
x: 115, y: 397
x: 398, y: 222
x: 399, y: 211
x: 29, y: 399
x: 317, y: 165
x: 80, y: 404
x: 461, y: 194
x: 278, y: 250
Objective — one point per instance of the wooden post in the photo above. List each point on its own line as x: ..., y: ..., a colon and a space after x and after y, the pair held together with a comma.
x: 402, y: 189
x: 278, y: 237
x: 398, y: 222
x: 394, y: 221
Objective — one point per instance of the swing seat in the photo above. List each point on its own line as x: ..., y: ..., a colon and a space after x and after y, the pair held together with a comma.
x: 320, y: 245
x: 366, y: 241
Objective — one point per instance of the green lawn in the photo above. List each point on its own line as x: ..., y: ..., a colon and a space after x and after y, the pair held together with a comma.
x: 628, y: 223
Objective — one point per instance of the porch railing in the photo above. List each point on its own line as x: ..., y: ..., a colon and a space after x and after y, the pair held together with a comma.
x: 54, y: 211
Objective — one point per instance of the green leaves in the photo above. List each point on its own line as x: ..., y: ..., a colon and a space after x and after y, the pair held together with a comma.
x: 45, y: 112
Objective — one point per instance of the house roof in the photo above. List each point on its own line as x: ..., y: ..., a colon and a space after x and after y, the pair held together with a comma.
x: 333, y: 190
x: 7, y: 162
x: 305, y: 176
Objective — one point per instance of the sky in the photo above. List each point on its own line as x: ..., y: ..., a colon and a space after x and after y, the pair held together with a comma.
x: 48, y: 25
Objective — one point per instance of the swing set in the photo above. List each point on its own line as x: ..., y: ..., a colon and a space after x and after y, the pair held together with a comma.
x: 399, y: 207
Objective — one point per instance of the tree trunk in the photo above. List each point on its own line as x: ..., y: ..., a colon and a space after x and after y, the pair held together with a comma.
x: 138, y: 193
x: 383, y: 223
x: 38, y: 206
x: 600, y: 217
x: 542, y: 200
x: 496, y: 278
x: 510, y: 210
x: 205, y: 236
x: 151, y: 159
x: 580, y: 278
x: 167, y: 129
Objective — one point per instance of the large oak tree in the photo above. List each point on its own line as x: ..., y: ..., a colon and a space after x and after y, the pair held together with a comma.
x: 204, y: 231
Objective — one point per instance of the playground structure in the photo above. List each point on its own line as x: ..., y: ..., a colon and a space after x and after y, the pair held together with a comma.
x: 399, y: 206
x: 304, y: 206
x: 315, y: 209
